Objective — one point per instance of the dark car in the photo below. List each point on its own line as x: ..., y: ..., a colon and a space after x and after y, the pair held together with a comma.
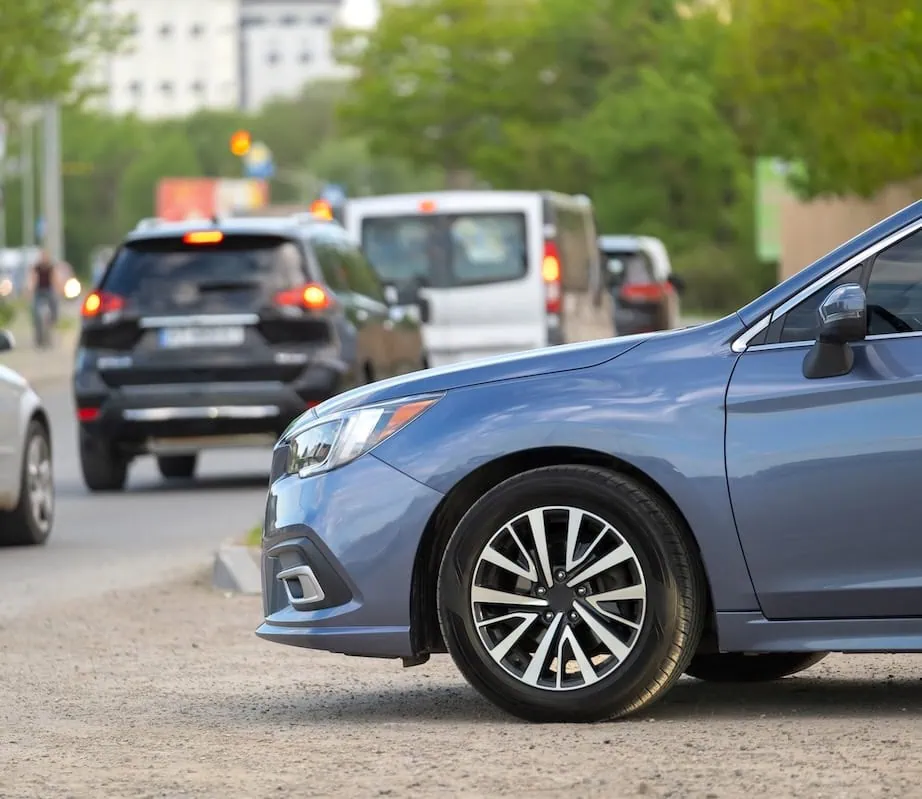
x: 219, y: 334
x: 579, y: 526
x: 645, y: 292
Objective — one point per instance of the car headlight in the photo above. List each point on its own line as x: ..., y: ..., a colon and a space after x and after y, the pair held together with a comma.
x: 332, y: 441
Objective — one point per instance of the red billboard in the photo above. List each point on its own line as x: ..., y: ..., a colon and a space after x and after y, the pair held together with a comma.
x: 202, y: 198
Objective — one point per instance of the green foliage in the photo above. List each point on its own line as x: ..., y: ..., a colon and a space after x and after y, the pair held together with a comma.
x: 834, y: 83
x: 254, y: 535
x: 112, y: 164
x: 621, y: 100
x: 45, y: 45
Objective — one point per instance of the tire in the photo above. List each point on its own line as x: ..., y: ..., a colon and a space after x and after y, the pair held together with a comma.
x: 737, y: 667
x: 180, y: 467
x: 104, y: 468
x: 31, y: 521
x: 667, y: 614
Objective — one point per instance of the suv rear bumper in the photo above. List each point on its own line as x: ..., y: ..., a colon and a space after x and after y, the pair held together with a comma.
x: 187, y: 417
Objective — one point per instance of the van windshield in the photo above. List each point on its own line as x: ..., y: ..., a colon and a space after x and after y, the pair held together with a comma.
x: 446, y: 250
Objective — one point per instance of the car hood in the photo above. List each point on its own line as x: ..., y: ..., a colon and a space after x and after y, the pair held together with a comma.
x: 531, y: 363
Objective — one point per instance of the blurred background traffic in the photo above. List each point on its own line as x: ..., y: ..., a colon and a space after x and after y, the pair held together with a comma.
x: 749, y: 137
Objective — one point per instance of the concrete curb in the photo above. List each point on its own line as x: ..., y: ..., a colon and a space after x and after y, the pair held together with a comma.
x: 236, y: 569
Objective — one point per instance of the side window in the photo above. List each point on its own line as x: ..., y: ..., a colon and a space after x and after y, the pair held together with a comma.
x: 331, y: 265
x: 800, y: 323
x: 895, y: 289
x: 362, y: 278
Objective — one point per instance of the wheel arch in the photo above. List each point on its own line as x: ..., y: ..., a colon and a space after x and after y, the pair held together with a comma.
x: 425, y: 631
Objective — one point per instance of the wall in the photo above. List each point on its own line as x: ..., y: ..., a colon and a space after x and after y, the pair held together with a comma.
x: 811, y: 229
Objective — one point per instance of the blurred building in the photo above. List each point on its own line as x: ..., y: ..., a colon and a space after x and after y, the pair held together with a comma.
x: 811, y: 229
x: 184, y: 56
x: 285, y: 44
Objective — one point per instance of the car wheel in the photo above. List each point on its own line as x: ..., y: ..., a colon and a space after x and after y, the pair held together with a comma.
x: 740, y: 667
x: 570, y: 593
x: 30, y: 522
x: 177, y: 466
x: 104, y: 469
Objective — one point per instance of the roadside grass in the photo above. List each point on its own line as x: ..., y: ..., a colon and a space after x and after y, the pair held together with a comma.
x: 253, y: 538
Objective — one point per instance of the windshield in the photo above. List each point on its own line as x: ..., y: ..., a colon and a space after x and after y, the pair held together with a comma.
x: 447, y: 250
x: 240, y: 274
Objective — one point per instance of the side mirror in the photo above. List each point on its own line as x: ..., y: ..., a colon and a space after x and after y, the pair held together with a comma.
x: 678, y: 283
x: 843, y: 318
x: 391, y: 295
x: 7, y: 342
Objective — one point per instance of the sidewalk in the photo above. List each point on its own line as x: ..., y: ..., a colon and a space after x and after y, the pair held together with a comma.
x: 41, y: 366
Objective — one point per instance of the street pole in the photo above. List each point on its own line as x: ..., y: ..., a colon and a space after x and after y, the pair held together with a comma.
x: 27, y: 173
x: 51, y: 180
x: 3, y: 131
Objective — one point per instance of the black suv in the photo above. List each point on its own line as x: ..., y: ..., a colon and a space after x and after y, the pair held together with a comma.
x: 202, y: 335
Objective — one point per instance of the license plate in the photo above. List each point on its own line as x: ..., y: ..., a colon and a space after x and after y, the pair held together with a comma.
x: 224, y: 336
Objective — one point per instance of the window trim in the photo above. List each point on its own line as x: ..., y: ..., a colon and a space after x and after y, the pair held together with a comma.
x: 741, y: 343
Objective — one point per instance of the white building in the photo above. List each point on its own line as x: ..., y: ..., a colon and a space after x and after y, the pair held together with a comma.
x: 184, y: 56
x: 285, y: 44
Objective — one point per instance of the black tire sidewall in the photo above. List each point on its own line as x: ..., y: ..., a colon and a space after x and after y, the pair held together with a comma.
x: 487, y: 516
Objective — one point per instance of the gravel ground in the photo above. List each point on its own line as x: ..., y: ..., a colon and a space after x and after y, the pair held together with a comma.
x: 169, y: 693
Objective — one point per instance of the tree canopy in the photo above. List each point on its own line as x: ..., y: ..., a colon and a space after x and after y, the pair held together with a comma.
x: 47, y: 45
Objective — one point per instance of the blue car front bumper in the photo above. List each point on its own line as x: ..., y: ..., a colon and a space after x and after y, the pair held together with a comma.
x: 349, y: 538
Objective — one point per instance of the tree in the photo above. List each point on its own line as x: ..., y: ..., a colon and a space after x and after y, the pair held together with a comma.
x: 437, y: 77
x: 47, y: 45
x: 834, y: 84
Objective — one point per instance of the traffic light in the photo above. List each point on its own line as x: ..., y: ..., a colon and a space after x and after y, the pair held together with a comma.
x: 240, y: 143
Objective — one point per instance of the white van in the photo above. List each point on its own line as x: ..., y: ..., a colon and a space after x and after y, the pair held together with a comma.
x: 492, y: 272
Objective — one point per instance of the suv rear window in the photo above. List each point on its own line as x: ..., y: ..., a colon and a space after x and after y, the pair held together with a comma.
x: 241, y: 273
x: 447, y: 250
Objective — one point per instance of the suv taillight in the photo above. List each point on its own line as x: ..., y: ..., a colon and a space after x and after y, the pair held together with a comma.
x: 550, y: 272
x: 101, y: 302
x: 313, y: 297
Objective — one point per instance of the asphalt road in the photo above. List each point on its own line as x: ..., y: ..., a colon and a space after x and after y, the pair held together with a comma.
x: 156, y: 530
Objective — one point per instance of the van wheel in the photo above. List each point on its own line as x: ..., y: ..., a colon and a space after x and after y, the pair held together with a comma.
x: 177, y: 466
x: 30, y: 522
x: 571, y: 594
x: 739, y: 667
x: 104, y: 469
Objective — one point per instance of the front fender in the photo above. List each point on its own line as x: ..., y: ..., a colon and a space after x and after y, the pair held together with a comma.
x: 27, y: 404
x: 659, y: 408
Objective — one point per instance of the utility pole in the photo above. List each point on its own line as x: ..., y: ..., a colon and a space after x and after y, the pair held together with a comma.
x: 51, y: 182
x: 27, y: 174
x: 3, y: 130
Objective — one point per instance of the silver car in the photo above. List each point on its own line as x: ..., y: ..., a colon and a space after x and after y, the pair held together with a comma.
x: 26, y: 475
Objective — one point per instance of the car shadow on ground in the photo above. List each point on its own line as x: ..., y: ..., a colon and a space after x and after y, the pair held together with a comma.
x: 689, y: 700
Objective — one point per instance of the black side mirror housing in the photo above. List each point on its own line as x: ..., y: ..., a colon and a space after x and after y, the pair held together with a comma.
x: 843, y: 318
x: 678, y: 283
x: 7, y: 342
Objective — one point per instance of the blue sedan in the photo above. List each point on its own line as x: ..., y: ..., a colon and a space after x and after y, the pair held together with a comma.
x: 581, y: 525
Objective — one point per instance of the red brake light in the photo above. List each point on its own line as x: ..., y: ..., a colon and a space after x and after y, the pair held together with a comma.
x: 101, y: 302
x: 87, y: 414
x: 643, y: 292
x: 312, y: 296
x: 550, y: 272
x: 203, y: 237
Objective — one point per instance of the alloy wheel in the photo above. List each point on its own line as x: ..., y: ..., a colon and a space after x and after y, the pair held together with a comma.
x: 558, y: 598
x: 40, y: 482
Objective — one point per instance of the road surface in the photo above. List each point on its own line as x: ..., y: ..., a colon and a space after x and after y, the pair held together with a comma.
x: 153, y: 531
